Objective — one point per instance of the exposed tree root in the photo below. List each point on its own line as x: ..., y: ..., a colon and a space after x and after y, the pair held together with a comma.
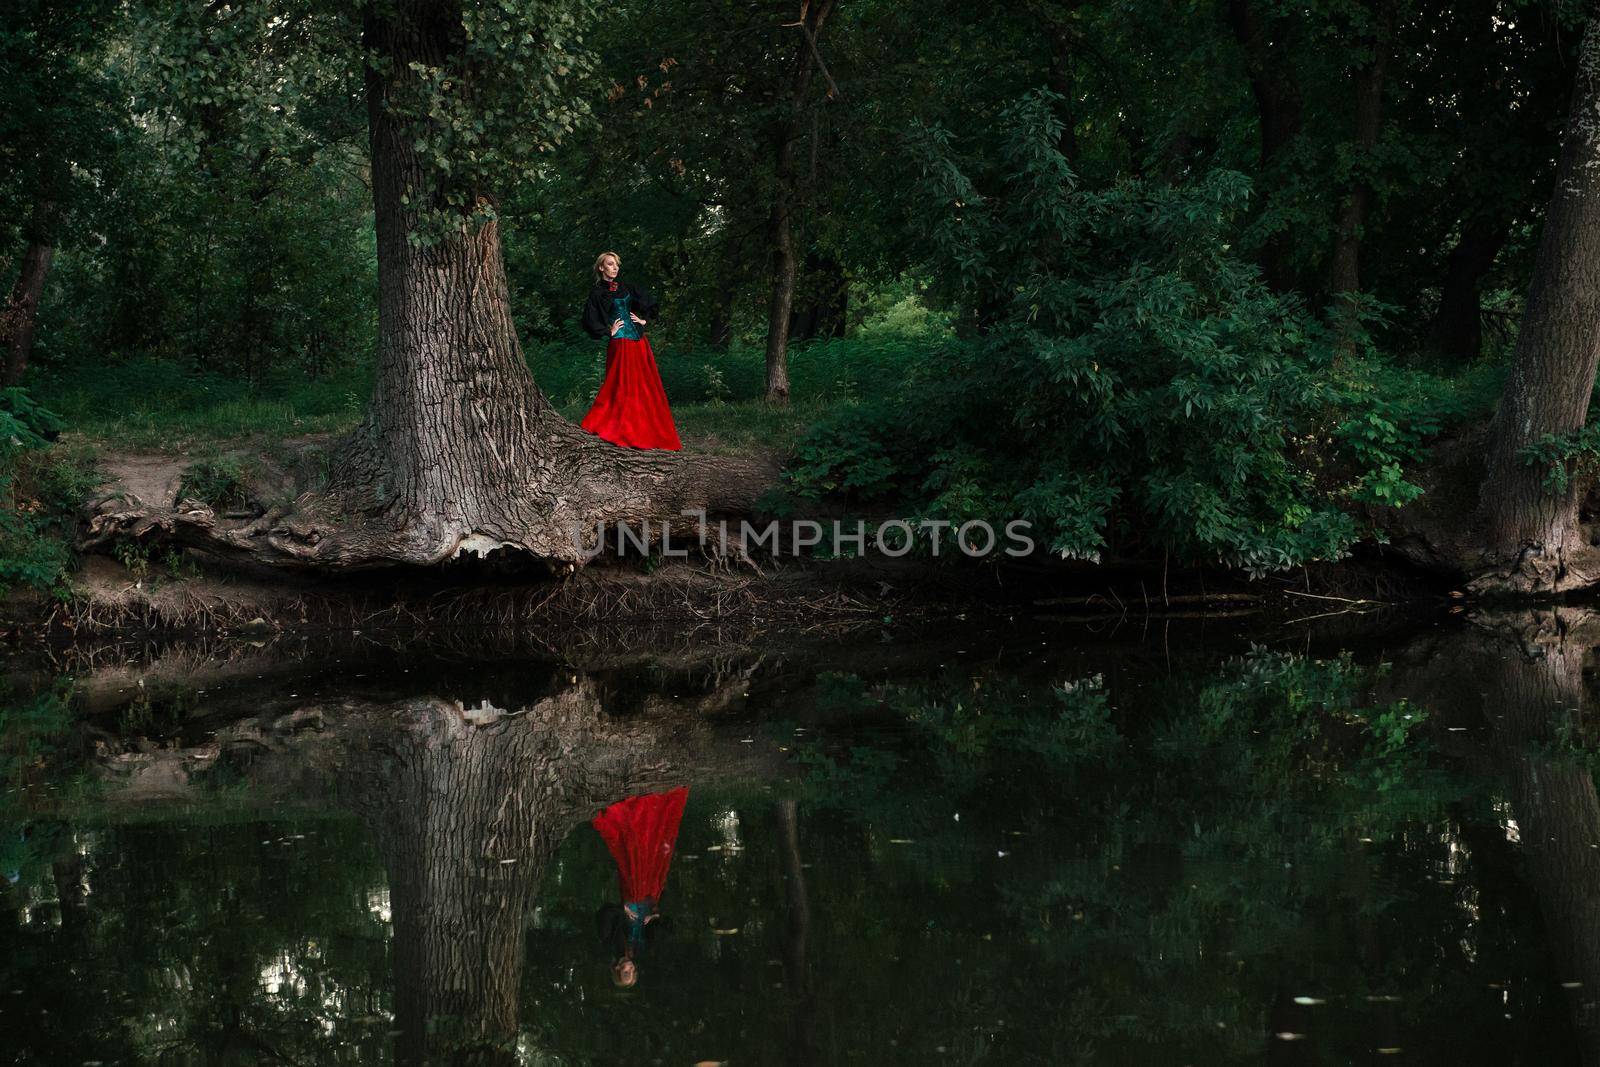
x: 554, y: 508
x: 1446, y: 531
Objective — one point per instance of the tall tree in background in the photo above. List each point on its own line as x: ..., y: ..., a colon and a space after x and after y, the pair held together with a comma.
x: 54, y: 121
x: 1376, y: 34
x: 786, y: 133
x: 1265, y: 37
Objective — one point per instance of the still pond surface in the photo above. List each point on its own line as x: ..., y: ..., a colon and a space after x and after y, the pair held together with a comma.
x: 1154, y: 843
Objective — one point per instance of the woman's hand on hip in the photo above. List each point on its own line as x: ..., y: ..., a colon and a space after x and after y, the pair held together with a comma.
x: 636, y: 318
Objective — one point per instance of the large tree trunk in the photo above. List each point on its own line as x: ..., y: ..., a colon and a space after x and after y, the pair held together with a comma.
x: 20, y: 319
x: 1345, y: 275
x: 1270, y: 69
x: 1533, y: 539
x: 780, y: 224
x: 461, y: 452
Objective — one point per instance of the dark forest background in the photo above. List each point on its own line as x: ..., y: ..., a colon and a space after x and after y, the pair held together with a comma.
x: 1179, y: 277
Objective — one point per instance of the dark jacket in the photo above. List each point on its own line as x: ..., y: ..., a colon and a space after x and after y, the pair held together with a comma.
x: 597, y: 310
x: 612, y: 926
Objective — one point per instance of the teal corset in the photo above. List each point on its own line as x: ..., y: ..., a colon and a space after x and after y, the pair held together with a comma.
x: 620, y: 310
x: 637, y: 911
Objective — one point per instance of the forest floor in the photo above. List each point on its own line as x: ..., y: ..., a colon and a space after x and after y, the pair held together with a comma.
x: 144, y: 587
x: 161, y: 436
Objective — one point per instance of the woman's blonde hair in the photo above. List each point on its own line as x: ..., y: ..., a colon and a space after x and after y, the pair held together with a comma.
x: 601, y: 258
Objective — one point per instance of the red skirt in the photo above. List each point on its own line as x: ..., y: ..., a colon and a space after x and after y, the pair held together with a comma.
x: 631, y: 408
x: 641, y: 833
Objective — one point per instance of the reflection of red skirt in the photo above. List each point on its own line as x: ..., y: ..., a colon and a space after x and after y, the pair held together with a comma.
x: 631, y: 408
x: 641, y: 833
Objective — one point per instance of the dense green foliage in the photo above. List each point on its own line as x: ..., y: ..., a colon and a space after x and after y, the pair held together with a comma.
x: 41, y: 489
x: 1138, y: 387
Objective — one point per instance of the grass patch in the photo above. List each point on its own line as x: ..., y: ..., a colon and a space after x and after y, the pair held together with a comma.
x: 157, y: 405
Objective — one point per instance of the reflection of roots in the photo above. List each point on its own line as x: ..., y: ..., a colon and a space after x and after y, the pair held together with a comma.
x: 590, y: 608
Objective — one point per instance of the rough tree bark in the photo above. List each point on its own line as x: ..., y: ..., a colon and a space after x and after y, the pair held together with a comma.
x: 1278, y: 106
x: 461, y: 452
x: 20, y: 318
x: 1533, y: 540
x: 780, y: 224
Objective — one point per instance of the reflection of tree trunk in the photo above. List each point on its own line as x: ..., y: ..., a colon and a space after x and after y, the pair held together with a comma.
x: 1558, y: 817
x: 1527, y: 676
x: 67, y: 872
x: 796, y: 974
x: 466, y: 817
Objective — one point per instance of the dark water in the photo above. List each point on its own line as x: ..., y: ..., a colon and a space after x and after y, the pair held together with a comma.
x: 1148, y: 845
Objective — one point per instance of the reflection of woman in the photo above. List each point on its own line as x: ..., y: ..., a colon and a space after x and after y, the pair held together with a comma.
x: 641, y: 833
x: 631, y: 407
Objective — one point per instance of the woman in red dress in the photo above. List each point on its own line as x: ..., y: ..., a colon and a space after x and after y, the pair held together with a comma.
x: 631, y: 408
x: 641, y: 833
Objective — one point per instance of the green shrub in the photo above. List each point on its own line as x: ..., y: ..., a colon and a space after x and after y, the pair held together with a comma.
x: 1133, y: 387
x: 42, y: 487
x: 216, y: 480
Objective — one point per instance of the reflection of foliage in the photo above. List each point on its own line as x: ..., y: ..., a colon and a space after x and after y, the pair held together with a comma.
x: 1125, y: 866
x: 33, y: 727
x: 231, y: 939
x: 1181, y: 841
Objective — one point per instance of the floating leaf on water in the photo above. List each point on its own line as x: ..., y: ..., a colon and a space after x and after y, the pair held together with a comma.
x: 1309, y: 1000
x: 1285, y: 1035
x: 1571, y: 985
x: 901, y: 841
x: 504, y: 862
x: 725, y: 931
x: 1391, y: 1051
